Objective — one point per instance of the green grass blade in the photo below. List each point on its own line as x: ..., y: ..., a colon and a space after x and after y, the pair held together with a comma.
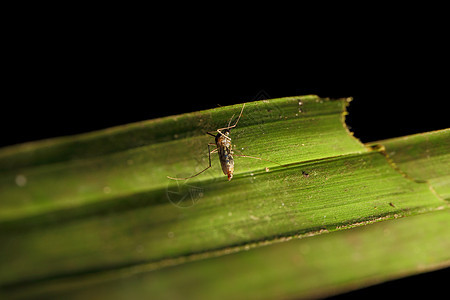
x: 103, y: 202
x: 319, y: 266
x: 71, y: 172
x: 423, y: 157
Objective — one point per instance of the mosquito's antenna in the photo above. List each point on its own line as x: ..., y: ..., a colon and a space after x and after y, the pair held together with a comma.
x: 230, y: 120
x: 229, y: 127
x: 239, y: 116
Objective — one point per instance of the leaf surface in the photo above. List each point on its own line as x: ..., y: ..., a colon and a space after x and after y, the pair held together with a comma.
x: 79, y: 213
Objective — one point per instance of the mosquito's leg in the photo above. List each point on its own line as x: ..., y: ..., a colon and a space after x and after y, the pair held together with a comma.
x: 214, y: 150
x: 220, y: 132
x: 235, y: 124
x: 228, y: 127
x: 184, y: 178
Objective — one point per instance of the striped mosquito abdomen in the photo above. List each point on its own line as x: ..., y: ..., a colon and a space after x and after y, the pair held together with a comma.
x: 223, y: 143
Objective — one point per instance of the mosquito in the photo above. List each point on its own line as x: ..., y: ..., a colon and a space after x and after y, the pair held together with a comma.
x: 223, y: 148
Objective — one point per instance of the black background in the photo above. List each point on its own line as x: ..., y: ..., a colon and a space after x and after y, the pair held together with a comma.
x: 65, y: 75
x: 61, y: 78
x: 54, y: 97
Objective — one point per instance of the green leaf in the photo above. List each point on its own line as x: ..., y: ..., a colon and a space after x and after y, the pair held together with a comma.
x: 423, y: 157
x: 80, y: 214
x: 310, y: 267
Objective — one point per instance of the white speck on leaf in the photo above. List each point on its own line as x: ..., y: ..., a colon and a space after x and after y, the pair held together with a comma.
x: 21, y: 180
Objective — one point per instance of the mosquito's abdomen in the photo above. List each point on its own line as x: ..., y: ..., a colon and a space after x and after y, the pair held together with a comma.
x: 226, y: 161
x: 225, y: 156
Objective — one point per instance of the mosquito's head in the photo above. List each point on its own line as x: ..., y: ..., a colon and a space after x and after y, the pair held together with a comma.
x: 230, y: 175
x: 226, y: 132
